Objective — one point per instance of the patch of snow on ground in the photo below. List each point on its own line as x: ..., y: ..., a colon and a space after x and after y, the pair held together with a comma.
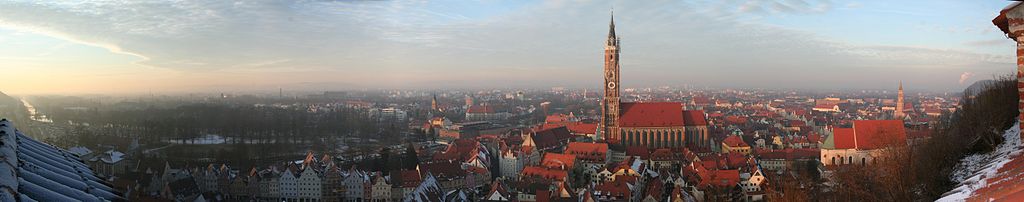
x: 973, y: 171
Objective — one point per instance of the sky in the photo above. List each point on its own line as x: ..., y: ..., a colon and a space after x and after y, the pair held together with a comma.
x: 111, y: 46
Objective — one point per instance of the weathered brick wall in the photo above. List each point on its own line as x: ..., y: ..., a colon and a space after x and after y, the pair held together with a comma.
x: 1015, y: 19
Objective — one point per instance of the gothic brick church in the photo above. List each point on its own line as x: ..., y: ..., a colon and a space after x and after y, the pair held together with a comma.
x: 647, y: 124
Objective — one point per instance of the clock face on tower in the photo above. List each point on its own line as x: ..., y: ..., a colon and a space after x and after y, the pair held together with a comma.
x: 611, y: 85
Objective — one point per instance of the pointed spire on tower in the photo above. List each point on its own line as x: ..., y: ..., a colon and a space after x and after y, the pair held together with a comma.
x: 899, y: 103
x: 433, y: 103
x: 611, y: 26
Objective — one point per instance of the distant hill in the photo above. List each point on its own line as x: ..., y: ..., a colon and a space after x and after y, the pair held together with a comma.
x: 979, y: 86
x: 5, y: 99
x: 10, y: 108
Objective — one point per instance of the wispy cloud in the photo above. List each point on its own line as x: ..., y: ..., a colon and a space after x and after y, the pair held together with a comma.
x: 389, y: 43
x: 965, y: 76
x: 991, y: 42
x: 785, y: 6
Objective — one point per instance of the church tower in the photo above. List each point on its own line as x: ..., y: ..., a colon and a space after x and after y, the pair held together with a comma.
x: 433, y: 104
x: 610, y: 103
x: 899, y: 103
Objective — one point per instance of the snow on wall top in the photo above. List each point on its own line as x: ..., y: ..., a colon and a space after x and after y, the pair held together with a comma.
x: 974, y: 172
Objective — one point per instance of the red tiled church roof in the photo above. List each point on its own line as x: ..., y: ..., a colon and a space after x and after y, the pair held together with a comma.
x: 874, y: 134
x: 843, y: 138
x: 694, y: 118
x: 651, y: 114
x: 870, y: 134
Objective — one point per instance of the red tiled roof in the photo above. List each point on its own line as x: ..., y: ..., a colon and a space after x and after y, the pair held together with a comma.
x: 586, y: 147
x: 639, y: 151
x: 734, y: 141
x: 616, y: 188
x: 556, y: 118
x: 870, y: 134
x: 655, y: 189
x: 476, y: 170
x: 410, y: 178
x: 694, y: 118
x: 665, y: 154
x: 813, y: 137
x: 500, y: 188
x: 582, y: 128
x: 549, y: 174
x: 722, y: 178
x: 445, y: 169
x: 547, y: 138
x: 735, y: 160
x: 651, y: 114
x: 574, y: 127
x: 710, y: 163
x: 843, y: 138
x: 874, y: 134
x: 461, y: 150
x: 826, y: 106
x: 591, y: 152
x: 557, y: 161
x: 736, y: 120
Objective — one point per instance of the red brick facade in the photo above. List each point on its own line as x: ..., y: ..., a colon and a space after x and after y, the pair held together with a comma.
x: 610, y: 103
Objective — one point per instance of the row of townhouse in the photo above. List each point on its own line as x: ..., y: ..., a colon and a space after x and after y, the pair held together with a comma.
x: 311, y: 180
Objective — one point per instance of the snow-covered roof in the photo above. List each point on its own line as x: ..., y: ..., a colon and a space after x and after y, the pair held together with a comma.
x: 34, y: 171
x: 109, y: 157
x: 80, y: 151
x: 429, y: 190
x: 113, y: 156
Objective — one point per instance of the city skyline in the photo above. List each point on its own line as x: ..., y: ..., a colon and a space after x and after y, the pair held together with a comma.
x: 116, y: 47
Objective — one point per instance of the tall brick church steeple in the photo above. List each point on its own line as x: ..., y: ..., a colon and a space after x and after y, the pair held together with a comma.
x: 610, y: 103
x: 899, y: 103
x: 433, y: 104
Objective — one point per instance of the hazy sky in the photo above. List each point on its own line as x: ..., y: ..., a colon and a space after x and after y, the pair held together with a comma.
x: 211, y: 46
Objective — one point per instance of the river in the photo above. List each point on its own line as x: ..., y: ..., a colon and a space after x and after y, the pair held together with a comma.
x: 33, y: 114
